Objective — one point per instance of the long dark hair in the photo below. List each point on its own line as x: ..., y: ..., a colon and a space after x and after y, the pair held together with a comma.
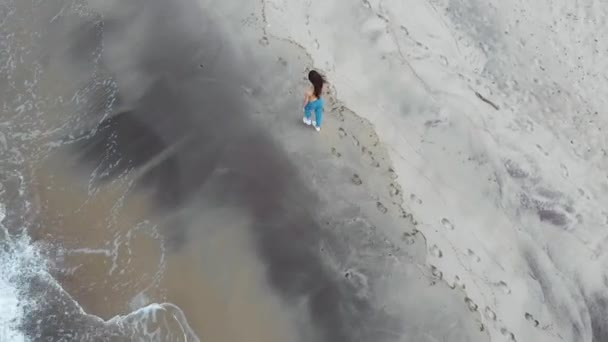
x: 317, y: 81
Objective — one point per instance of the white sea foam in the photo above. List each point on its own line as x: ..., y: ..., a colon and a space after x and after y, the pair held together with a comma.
x: 16, y: 256
x: 156, y: 322
x: 20, y: 258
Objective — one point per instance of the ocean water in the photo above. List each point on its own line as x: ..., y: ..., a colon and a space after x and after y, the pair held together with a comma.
x: 44, y: 101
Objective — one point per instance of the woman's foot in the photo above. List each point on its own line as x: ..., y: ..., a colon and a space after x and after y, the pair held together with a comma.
x: 307, y: 121
x: 318, y: 128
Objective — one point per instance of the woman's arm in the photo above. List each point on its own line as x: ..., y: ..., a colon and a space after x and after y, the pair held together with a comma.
x: 306, y: 98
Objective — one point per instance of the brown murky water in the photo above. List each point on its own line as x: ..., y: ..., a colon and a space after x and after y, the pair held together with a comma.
x: 112, y: 259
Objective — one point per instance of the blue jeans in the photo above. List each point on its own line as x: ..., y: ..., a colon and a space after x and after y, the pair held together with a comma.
x: 317, y: 106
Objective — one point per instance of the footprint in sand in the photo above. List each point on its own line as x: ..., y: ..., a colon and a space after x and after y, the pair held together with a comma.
x: 405, y: 215
x: 356, y: 142
x: 335, y: 152
x: 409, y: 238
x: 436, y: 272
x: 565, y: 172
x: 392, y: 174
x: 358, y: 280
x: 458, y: 283
x: 473, y: 256
x: 415, y: 198
x: 503, y: 287
x: 342, y: 132
x: 470, y: 304
x: 531, y: 319
x: 490, y: 314
x: 369, y: 157
x: 264, y: 41
x: 508, y: 334
x: 447, y: 224
x: 394, y: 189
x: 436, y: 252
x: 381, y: 207
x: 356, y: 179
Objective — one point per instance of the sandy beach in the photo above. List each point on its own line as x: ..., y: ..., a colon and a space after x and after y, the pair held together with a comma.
x: 267, y: 231
x: 116, y: 254
x: 158, y: 184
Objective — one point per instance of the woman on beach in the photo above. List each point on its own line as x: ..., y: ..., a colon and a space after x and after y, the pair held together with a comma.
x: 313, y: 100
